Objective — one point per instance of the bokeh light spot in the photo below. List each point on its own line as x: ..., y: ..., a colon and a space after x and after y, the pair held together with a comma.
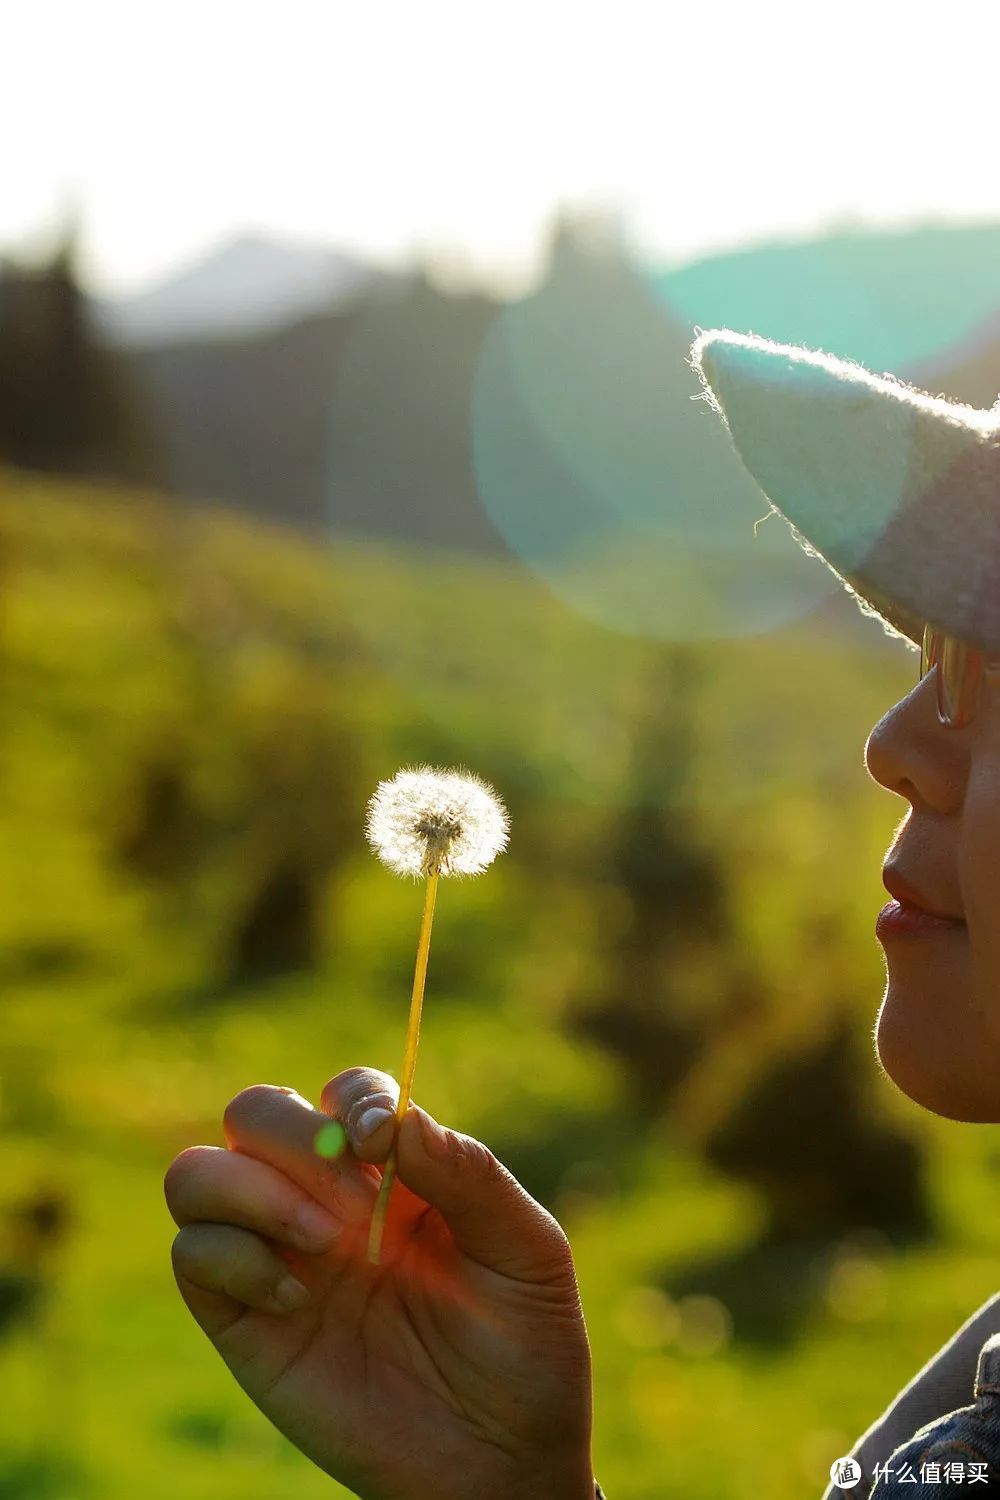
x: 330, y: 1139
x: 706, y: 1325
x: 602, y: 470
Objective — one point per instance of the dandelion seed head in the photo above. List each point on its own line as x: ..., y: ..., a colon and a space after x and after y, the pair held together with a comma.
x: 425, y: 819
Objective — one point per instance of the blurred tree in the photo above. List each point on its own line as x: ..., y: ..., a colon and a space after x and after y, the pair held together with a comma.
x: 299, y: 823
x: 674, y: 908
x: 35, y: 1227
x: 66, y: 405
x: 805, y: 1130
x: 800, y: 1123
x: 159, y: 832
x: 278, y: 929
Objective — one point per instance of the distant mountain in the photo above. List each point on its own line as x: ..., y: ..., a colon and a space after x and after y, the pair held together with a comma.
x: 559, y: 426
x: 891, y: 299
x: 246, y: 285
x: 356, y: 419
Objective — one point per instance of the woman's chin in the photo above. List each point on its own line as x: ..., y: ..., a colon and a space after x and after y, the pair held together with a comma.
x: 919, y: 1043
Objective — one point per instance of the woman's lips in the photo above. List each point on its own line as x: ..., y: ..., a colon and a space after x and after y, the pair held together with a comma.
x: 903, y: 919
x: 908, y: 894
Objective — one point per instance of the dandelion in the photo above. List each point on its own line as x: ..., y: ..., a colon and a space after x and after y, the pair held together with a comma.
x: 428, y: 823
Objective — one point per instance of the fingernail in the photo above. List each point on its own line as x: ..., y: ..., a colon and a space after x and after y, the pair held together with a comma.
x: 292, y: 1294
x: 317, y: 1224
x: 370, y: 1121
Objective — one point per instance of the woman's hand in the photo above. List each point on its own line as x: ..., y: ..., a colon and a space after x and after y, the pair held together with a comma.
x: 459, y: 1367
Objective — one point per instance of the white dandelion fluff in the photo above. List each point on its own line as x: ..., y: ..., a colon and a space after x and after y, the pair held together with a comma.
x: 424, y: 820
x: 428, y: 823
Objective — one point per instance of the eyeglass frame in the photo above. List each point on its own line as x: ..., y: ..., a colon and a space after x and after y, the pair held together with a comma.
x: 959, y: 675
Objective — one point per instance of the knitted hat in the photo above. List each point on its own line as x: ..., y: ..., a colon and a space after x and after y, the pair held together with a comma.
x: 895, y: 490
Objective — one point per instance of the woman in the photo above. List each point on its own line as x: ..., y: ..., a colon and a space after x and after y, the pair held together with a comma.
x: 460, y: 1367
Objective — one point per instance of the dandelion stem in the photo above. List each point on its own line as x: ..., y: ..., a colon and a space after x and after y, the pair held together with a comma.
x: 409, y: 1064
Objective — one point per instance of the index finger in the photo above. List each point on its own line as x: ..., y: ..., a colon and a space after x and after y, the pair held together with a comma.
x: 278, y: 1126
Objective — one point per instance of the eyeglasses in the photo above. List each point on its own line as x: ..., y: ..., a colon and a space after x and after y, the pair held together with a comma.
x: 959, y: 675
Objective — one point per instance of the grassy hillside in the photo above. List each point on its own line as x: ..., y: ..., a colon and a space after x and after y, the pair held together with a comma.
x: 195, y: 711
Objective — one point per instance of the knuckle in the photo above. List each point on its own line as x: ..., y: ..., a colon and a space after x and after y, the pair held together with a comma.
x: 255, y: 1270
x: 561, y: 1248
x: 474, y: 1159
x: 251, y: 1105
x: 200, y: 1248
x: 177, y: 1178
x: 248, y: 1261
x: 553, y: 1228
x: 194, y: 1179
x: 354, y: 1087
x: 173, y: 1178
x: 223, y: 1257
x: 184, y: 1252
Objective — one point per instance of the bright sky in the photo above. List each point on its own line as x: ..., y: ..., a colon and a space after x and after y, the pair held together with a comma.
x: 455, y: 127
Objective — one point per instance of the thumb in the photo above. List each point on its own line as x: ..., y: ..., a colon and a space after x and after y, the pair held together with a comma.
x: 492, y: 1218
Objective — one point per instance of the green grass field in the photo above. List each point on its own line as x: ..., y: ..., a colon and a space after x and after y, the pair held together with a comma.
x: 162, y: 670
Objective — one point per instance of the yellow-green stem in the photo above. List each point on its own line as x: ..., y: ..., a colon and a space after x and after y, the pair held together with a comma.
x: 409, y: 1064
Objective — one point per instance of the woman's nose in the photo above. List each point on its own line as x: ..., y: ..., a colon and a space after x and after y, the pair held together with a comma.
x: 912, y: 753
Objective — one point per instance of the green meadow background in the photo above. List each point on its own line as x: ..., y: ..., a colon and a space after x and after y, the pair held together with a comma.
x: 656, y: 1007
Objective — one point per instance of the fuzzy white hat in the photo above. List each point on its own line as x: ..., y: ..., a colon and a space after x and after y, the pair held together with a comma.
x: 895, y: 490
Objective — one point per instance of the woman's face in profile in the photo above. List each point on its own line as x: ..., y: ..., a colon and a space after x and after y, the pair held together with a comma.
x: 938, y: 1030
